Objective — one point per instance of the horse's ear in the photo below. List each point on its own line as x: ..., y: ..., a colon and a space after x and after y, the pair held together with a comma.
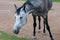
x: 15, y: 6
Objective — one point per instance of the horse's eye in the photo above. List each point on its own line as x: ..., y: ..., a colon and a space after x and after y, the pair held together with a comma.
x: 20, y: 17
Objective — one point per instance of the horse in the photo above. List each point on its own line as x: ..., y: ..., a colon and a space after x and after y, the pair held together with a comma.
x: 38, y: 8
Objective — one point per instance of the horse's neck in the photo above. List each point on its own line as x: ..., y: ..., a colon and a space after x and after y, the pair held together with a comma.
x: 28, y: 8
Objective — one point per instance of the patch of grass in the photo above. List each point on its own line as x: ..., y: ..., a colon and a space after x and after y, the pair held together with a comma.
x: 5, y: 36
x: 56, y: 0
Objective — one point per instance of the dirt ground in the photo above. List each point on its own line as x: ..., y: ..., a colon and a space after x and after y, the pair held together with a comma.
x: 7, y: 21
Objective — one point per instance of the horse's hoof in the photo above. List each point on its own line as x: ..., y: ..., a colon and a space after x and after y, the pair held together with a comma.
x: 44, y: 32
x: 52, y: 39
x: 39, y: 31
x: 33, y: 37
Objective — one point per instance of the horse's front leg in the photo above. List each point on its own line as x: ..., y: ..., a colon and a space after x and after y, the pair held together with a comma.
x: 34, y: 26
x: 39, y: 21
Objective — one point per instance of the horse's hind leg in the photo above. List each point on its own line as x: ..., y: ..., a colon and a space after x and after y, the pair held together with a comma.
x: 39, y: 27
x: 47, y: 26
x: 34, y: 26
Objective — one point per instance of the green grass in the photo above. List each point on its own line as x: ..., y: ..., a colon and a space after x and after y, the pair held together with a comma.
x: 5, y: 36
x: 56, y: 0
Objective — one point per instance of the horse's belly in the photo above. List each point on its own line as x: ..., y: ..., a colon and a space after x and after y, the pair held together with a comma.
x: 38, y: 14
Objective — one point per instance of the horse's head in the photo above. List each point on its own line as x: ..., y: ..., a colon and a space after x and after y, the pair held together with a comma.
x: 20, y: 19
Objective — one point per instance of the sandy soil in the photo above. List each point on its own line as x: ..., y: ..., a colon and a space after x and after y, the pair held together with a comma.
x: 7, y: 20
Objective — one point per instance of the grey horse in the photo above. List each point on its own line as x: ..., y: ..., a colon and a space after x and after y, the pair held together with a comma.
x: 38, y: 8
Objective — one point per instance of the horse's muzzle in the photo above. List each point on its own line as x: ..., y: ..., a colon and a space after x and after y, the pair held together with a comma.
x: 16, y: 31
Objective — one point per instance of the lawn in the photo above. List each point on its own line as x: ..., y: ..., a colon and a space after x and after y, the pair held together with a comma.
x: 56, y: 0
x: 5, y: 36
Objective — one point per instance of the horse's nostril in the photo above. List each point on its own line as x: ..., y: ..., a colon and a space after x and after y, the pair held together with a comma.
x: 16, y: 29
x: 16, y: 32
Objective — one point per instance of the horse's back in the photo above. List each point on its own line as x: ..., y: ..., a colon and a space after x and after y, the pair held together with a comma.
x: 39, y: 4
